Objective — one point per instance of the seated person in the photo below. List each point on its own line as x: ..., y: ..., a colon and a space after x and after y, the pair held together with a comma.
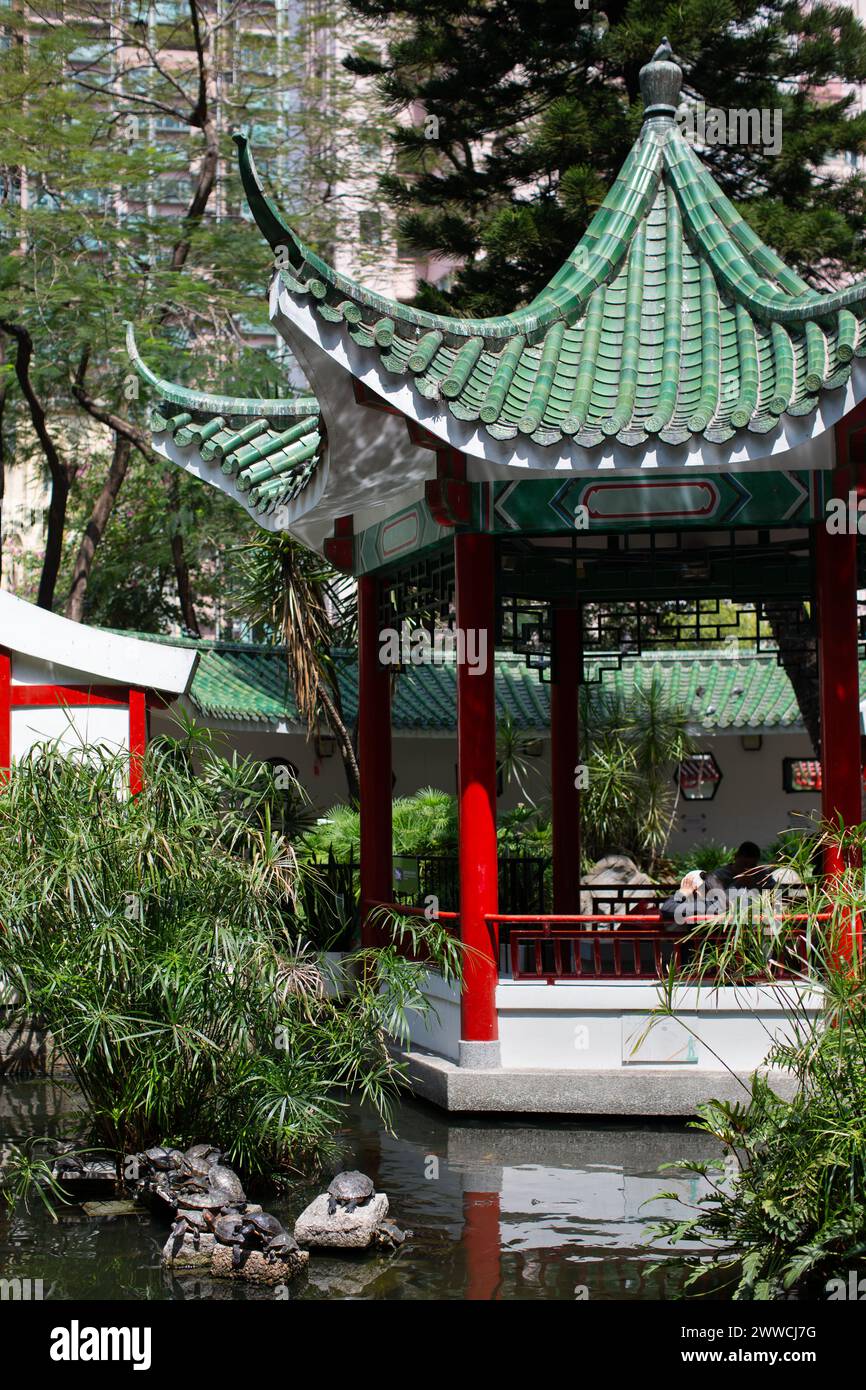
x: 745, y: 870
x: 700, y: 894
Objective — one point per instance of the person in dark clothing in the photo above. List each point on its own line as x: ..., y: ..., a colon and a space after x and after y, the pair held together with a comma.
x: 699, y: 895
x: 745, y: 869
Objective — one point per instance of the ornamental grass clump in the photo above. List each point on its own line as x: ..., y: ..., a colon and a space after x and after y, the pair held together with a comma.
x: 784, y: 1215
x: 156, y: 938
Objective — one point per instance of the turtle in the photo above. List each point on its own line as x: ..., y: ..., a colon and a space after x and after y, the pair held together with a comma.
x: 264, y: 1229
x: 226, y: 1180
x: 233, y: 1231
x: 159, y: 1160
x: 197, y: 1162
x: 349, y: 1190
x: 193, y: 1223
x: 389, y: 1234
x: 67, y: 1163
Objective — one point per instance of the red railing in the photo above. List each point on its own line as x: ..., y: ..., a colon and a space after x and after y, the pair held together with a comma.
x: 636, y: 946
x: 601, y: 946
x: 564, y: 953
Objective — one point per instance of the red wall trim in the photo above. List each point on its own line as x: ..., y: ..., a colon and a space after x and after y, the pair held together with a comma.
x: 27, y: 696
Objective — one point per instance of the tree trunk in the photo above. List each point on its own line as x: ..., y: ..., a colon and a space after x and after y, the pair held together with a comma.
x: 184, y: 588
x: 61, y: 474
x: 794, y: 634
x: 331, y: 703
x: 95, y: 529
x: 53, y: 541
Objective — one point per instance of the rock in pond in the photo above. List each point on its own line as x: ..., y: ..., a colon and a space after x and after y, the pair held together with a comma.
x: 318, y: 1228
x: 122, y: 1207
x: 195, y: 1251
x: 257, y: 1268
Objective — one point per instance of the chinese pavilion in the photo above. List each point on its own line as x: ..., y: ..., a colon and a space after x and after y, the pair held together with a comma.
x: 665, y: 422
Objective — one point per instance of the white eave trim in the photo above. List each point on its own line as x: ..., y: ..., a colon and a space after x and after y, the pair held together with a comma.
x: 28, y: 631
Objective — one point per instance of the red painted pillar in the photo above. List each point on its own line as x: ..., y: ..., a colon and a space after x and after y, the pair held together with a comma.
x: 839, y: 668
x: 137, y: 739
x: 476, y: 764
x: 564, y: 758
x: 5, y: 714
x: 374, y: 751
x: 838, y: 665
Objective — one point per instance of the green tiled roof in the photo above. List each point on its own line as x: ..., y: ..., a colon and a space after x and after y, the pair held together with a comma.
x: 671, y: 318
x: 271, y: 448
x: 250, y: 683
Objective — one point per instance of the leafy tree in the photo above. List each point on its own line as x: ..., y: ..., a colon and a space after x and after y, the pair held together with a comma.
x: 120, y: 202
x: 289, y: 593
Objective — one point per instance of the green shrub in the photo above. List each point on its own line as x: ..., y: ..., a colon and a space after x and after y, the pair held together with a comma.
x: 157, y: 938
x: 424, y: 824
x: 706, y: 856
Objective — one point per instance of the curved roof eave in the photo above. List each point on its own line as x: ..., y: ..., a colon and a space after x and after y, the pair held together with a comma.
x: 667, y: 274
x: 269, y: 454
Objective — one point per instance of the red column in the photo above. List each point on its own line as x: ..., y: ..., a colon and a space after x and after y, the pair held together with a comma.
x: 476, y: 762
x: 564, y: 758
x: 839, y: 674
x: 5, y: 714
x: 137, y: 739
x: 374, y: 750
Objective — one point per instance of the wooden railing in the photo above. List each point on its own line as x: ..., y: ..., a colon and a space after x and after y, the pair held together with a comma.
x: 637, y: 946
x: 547, y: 948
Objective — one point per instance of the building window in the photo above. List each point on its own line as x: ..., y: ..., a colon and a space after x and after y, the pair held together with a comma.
x: 801, y: 774
x: 698, y: 777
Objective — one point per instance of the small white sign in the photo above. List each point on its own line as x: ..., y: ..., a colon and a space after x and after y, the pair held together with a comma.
x: 645, y: 1039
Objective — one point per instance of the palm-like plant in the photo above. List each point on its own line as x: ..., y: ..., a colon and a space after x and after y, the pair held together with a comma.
x: 156, y: 939
x: 292, y: 595
x: 514, y: 762
x: 631, y: 746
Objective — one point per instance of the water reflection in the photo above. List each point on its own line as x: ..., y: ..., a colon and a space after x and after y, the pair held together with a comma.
x: 500, y: 1209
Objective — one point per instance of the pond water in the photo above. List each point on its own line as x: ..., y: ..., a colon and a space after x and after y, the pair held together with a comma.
x: 511, y: 1208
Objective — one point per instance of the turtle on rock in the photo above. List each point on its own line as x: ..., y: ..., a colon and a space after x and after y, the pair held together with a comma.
x: 265, y: 1232
x: 160, y: 1159
x: 197, y: 1162
x: 225, y: 1180
x: 233, y: 1231
x: 349, y: 1191
x: 186, y: 1223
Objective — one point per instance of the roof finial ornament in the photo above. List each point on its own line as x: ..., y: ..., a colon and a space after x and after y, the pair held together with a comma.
x: 660, y: 82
